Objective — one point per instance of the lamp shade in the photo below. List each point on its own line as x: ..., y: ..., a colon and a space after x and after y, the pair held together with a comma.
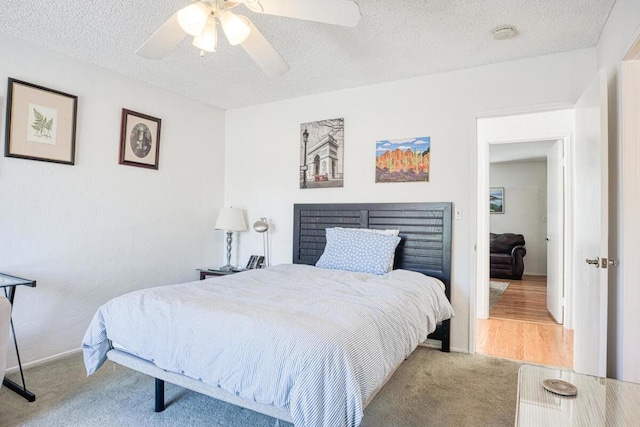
x: 234, y: 28
x: 261, y: 226
x: 193, y: 18
x: 208, y: 38
x: 231, y: 219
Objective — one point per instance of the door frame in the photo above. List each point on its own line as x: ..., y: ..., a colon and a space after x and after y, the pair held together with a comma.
x: 480, y: 259
x: 552, y: 168
x: 628, y: 297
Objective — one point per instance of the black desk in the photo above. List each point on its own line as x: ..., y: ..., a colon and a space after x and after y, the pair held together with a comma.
x: 9, y: 284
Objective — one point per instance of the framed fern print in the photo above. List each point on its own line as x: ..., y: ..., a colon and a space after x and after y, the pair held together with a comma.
x: 41, y: 123
x: 139, y: 140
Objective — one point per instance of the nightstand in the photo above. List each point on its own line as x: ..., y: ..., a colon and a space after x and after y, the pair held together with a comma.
x: 600, y: 401
x: 204, y: 272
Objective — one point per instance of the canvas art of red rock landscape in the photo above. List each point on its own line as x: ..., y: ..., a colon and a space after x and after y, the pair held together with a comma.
x: 405, y: 160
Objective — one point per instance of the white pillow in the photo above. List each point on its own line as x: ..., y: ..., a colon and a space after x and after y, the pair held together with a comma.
x: 379, y: 231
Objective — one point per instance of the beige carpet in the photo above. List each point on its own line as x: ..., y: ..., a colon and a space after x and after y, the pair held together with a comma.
x: 431, y: 388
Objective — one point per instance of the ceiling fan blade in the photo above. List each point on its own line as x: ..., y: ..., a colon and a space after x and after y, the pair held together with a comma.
x: 263, y: 53
x: 336, y: 12
x: 164, y: 40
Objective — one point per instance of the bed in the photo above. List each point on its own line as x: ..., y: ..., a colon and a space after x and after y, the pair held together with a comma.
x: 299, y: 343
x: 425, y: 229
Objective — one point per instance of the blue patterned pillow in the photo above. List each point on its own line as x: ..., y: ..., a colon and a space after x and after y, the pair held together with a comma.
x: 353, y: 250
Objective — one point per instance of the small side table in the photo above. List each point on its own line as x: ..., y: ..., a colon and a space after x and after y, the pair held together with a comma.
x: 204, y: 272
x: 600, y: 401
x: 9, y: 283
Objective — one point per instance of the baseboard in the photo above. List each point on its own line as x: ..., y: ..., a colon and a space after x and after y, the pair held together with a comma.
x: 45, y: 360
x: 438, y: 345
x: 431, y: 344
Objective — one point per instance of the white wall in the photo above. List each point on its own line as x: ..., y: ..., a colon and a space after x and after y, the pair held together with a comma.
x: 618, y: 36
x: 525, y: 197
x: 98, y: 229
x: 262, y: 148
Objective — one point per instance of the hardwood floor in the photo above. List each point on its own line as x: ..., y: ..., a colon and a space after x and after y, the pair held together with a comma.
x: 520, y: 328
x: 524, y: 299
x: 532, y: 342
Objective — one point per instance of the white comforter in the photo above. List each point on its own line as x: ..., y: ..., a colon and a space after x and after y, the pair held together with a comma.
x: 313, y: 341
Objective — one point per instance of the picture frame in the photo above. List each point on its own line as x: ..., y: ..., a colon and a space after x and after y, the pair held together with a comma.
x: 41, y: 123
x: 496, y: 200
x: 403, y: 160
x: 322, y: 154
x: 139, y: 140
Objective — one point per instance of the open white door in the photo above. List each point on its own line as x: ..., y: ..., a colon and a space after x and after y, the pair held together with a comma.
x: 591, y: 229
x: 555, y: 231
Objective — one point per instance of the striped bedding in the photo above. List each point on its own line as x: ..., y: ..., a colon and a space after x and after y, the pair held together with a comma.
x: 312, y: 341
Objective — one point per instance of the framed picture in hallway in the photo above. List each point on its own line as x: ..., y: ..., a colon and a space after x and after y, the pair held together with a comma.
x: 496, y: 200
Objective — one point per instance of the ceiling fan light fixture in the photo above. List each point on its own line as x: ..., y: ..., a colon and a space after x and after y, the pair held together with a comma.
x: 234, y: 27
x: 193, y: 18
x: 208, y: 38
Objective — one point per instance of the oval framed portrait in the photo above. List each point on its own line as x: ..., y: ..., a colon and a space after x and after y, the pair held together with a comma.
x: 139, y: 140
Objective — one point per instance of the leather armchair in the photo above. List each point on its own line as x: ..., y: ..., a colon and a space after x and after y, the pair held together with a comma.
x: 5, y: 319
x: 507, y: 252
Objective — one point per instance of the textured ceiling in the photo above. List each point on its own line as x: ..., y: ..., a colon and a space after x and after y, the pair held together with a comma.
x: 395, y: 39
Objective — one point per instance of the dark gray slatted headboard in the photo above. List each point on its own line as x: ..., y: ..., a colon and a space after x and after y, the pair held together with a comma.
x: 425, y: 230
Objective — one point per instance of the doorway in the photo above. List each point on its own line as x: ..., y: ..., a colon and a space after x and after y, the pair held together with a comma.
x: 522, y: 243
x: 625, y: 314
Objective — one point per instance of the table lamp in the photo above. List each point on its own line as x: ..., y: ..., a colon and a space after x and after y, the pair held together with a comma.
x: 230, y: 220
x: 262, y: 226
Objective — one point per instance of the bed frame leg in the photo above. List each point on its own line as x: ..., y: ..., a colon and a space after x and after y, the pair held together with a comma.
x: 159, y: 395
x: 446, y: 339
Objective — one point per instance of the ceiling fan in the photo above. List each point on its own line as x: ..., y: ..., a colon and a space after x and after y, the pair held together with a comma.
x: 200, y: 20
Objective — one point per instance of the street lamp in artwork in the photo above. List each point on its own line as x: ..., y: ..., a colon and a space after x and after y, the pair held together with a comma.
x: 304, y: 168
